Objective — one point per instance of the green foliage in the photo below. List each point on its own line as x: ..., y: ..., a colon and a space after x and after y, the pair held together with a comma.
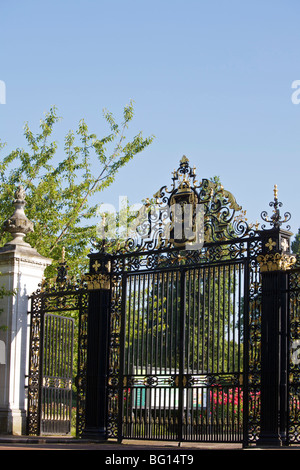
x: 59, y: 187
x: 296, y: 243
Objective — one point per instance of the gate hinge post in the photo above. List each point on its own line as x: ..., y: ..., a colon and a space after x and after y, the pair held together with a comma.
x: 275, y: 260
x: 98, y: 283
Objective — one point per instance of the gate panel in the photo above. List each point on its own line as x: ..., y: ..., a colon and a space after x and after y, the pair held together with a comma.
x: 151, y: 355
x: 51, y: 361
x: 56, y: 391
x: 181, y: 378
x: 213, y: 363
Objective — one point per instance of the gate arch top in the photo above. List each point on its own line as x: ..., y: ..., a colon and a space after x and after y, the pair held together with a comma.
x: 183, y: 216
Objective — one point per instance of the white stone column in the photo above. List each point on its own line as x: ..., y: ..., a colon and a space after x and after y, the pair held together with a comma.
x: 22, y: 269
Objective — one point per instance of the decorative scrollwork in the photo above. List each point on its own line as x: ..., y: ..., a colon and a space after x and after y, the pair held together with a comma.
x: 276, y: 220
x: 184, y: 216
x: 276, y: 262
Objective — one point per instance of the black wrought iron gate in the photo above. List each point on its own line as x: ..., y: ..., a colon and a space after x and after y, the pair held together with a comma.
x: 56, y: 356
x: 50, y: 395
x: 182, y: 348
x: 185, y: 308
x: 185, y: 328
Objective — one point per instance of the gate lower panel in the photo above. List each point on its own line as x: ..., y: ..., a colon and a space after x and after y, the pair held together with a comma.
x: 207, y: 414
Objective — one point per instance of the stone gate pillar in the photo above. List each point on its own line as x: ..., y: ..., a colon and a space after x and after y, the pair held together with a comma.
x: 22, y: 269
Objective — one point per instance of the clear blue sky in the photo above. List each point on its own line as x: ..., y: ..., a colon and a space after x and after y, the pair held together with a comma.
x: 210, y: 79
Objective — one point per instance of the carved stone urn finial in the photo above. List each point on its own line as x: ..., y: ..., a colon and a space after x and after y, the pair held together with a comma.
x: 18, y: 224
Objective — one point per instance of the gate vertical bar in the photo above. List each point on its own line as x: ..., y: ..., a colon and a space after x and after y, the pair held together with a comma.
x: 35, y: 366
x: 80, y: 380
x: 182, y: 353
x: 284, y: 364
x: 41, y: 365
x: 246, y: 341
x: 122, y: 360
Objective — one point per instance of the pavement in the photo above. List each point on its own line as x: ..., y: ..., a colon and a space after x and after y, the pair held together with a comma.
x: 45, y: 443
x: 69, y: 443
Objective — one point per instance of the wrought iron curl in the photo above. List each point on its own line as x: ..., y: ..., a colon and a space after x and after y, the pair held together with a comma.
x: 153, y: 225
x: 276, y: 220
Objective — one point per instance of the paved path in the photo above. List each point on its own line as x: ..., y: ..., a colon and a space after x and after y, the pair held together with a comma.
x: 42, y: 443
x: 55, y: 443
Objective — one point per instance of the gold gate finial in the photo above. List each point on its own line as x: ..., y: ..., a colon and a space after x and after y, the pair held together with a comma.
x: 184, y: 159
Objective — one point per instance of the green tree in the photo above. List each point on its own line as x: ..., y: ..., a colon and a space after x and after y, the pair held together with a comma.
x: 296, y: 243
x: 59, y: 190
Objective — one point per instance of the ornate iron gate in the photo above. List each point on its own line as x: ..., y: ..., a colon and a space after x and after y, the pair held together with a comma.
x: 182, y: 336
x: 185, y: 329
x: 56, y: 390
x: 57, y: 310
x: 185, y: 309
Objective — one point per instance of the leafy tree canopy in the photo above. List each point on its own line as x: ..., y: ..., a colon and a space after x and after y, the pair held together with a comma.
x: 58, y: 195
